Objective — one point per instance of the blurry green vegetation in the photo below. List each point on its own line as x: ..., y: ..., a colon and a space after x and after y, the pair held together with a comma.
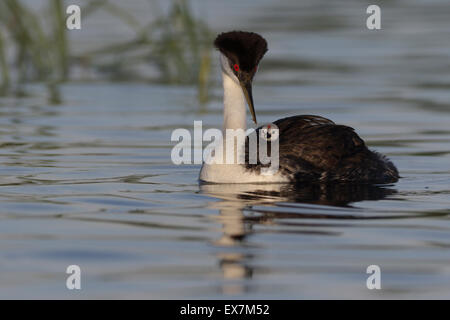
x: 37, y: 54
x: 34, y: 46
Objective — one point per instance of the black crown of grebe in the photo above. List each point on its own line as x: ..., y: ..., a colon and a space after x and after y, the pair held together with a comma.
x: 311, y: 148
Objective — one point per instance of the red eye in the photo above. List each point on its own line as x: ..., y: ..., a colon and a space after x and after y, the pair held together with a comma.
x: 236, y: 67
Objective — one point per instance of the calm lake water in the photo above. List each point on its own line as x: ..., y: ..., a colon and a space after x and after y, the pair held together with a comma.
x: 90, y: 181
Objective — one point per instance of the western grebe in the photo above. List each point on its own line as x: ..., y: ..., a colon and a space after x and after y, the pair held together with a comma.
x: 311, y: 148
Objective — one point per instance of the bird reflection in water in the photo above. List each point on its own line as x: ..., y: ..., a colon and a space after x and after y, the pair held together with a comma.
x: 235, y: 199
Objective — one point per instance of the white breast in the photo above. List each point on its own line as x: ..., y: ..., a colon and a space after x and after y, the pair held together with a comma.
x: 236, y: 173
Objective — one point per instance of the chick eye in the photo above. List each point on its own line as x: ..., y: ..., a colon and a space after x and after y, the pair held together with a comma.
x: 274, y: 134
x: 236, y: 67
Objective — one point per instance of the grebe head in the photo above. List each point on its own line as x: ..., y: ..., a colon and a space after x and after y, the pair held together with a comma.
x: 241, y: 53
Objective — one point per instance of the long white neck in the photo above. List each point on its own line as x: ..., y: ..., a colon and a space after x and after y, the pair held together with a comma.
x: 234, y: 112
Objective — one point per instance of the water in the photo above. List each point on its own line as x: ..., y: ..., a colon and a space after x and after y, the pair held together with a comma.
x: 90, y: 181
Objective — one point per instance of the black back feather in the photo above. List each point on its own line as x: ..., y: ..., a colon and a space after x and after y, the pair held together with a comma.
x: 313, y: 148
x: 244, y: 48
